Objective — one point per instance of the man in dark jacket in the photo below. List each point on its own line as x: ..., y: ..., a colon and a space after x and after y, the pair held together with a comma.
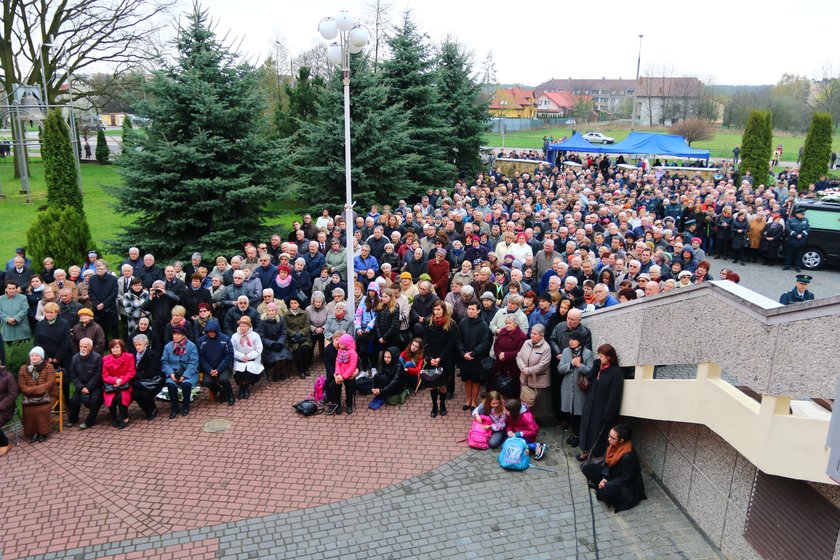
x: 103, y: 290
x: 160, y: 305
x: 421, y: 307
x: 236, y: 312
x: 149, y: 273
x: 85, y: 373
x: 265, y: 271
x: 798, y: 229
x: 194, y: 296
x: 215, y: 358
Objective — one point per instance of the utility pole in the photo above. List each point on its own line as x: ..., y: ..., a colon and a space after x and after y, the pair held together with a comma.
x: 636, y: 88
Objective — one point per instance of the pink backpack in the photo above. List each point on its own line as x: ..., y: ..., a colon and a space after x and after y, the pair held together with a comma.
x: 320, y: 387
x: 478, y: 437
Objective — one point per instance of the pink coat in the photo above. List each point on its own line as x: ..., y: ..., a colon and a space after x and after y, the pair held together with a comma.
x: 525, y: 423
x: 121, y: 367
x: 346, y: 370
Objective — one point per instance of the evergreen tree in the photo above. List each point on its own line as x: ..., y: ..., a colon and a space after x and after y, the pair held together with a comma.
x: 768, y: 136
x: 754, y: 156
x: 103, y: 154
x: 381, y: 147
x: 817, y: 150
x: 61, y: 233
x: 59, y: 168
x: 464, y: 111
x: 204, y: 169
x: 127, y: 132
x: 410, y: 76
x: 302, y: 102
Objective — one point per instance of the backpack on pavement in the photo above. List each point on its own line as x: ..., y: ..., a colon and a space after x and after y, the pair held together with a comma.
x: 514, y: 455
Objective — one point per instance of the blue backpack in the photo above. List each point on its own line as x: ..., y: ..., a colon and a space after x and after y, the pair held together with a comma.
x: 514, y: 455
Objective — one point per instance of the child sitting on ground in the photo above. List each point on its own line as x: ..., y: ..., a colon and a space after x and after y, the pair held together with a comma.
x: 493, y: 407
x: 522, y: 424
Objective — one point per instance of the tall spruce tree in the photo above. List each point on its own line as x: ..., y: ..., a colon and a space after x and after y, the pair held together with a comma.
x: 754, y: 156
x: 127, y: 132
x: 411, y: 78
x: 817, y: 150
x: 204, y: 169
x: 103, y: 154
x: 302, y: 102
x: 464, y: 111
x: 382, y: 153
x: 59, y: 167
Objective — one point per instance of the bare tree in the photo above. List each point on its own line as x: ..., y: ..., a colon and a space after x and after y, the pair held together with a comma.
x: 314, y: 58
x: 378, y: 16
x: 693, y: 130
x: 488, y: 69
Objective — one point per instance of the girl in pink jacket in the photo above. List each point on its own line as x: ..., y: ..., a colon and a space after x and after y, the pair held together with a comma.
x: 346, y: 368
x: 522, y: 424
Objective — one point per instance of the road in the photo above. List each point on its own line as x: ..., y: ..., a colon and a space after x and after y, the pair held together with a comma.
x: 772, y: 281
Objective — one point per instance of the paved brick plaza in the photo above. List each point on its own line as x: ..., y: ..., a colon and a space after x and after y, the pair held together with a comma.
x: 378, y: 484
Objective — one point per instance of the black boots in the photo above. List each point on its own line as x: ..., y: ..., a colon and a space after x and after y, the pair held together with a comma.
x: 435, y: 396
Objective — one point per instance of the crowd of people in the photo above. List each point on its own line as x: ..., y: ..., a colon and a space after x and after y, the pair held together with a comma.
x: 483, y: 285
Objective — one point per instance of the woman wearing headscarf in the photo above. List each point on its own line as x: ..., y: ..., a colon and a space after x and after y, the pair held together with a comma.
x: 300, y: 336
x: 36, y: 381
x: 618, y: 479
x: 575, y: 361
x: 247, y: 356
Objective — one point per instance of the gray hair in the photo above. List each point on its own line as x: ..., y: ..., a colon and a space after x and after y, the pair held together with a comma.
x: 571, y: 279
x: 195, y: 256
x: 338, y: 291
x: 538, y: 328
x: 300, y: 260
x: 318, y: 294
x: 341, y: 305
x: 467, y: 291
x: 141, y: 339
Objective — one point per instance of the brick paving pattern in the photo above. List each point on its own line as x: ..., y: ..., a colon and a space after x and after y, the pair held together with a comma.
x: 391, y: 483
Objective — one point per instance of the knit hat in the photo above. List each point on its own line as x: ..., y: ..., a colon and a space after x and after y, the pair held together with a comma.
x: 38, y: 350
x: 85, y: 311
x: 425, y: 276
x: 373, y: 287
x: 441, y: 252
x: 270, y: 306
x: 180, y: 329
x: 488, y: 295
x: 405, y: 275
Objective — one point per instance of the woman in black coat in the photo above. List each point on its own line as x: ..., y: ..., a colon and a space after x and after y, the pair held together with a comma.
x: 723, y: 233
x: 8, y: 396
x: 389, y: 380
x: 603, y: 401
x: 149, y: 379
x: 52, y: 333
x: 473, y: 341
x: 618, y: 479
x: 740, y: 227
x: 439, y: 348
x: 771, y: 239
x: 274, y: 335
x: 387, y: 328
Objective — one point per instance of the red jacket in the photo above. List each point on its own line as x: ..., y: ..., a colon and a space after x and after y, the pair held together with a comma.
x: 412, y: 371
x: 439, y: 272
x: 121, y: 367
x: 526, y: 424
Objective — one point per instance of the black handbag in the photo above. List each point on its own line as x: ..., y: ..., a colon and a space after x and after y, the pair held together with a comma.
x: 487, y: 363
x: 307, y: 407
x: 431, y: 374
x: 111, y: 388
x: 364, y: 385
x: 150, y: 384
x: 506, y: 385
x: 35, y: 401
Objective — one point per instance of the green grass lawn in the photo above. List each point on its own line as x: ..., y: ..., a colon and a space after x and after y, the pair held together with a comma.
x: 719, y: 147
x: 16, y: 215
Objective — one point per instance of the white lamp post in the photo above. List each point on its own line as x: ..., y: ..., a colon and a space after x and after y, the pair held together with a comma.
x: 350, y: 39
x: 636, y: 87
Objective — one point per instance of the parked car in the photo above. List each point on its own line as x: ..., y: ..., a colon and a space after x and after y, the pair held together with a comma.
x: 598, y: 138
x: 824, y: 239
x: 571, y: 121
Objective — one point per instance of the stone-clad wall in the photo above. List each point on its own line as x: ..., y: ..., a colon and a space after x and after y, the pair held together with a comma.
x: 711, y: 480
x: 790, y: 351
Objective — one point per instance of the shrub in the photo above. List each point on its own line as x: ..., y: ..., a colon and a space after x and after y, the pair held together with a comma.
x: 102, y: 151
x: 817, y: 150
x: 693, y: 130
x: 60, y: 233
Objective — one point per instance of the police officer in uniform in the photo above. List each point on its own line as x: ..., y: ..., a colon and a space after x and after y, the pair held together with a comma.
x: 798, y: 229
x: 799, y: 293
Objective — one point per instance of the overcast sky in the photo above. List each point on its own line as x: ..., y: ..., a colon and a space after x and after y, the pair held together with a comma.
x: 725, y: 42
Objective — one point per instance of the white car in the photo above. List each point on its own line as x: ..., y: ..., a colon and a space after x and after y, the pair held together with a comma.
x: 598, y: 138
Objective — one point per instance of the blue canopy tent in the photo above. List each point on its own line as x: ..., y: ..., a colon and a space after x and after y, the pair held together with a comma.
x: 577, y: 143
x: 652, y: 143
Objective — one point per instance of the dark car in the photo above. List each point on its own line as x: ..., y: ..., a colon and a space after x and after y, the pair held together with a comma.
x: 823, y: 245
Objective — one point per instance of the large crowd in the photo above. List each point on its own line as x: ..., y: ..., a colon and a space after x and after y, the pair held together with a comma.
x: 484, y: 284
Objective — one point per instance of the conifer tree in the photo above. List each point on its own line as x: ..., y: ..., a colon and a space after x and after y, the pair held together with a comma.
x: 103, y: 154
x: 464, y: 111
x: 59, y: 168
x: 411, y: 78
x: 382, y: 152
x: 754, y: 155
x: 202, y: 173
x: 61, y: 233
x: 817, y: 150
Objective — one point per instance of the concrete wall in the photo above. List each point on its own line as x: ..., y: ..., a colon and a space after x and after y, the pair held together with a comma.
x: 786, y: 351
x: 709, y: 478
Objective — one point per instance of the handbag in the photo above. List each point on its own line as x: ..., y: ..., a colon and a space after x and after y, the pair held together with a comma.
x: 431, y: 374
x: 150, y: 384
x: 487, y: 363
x: 308, y: 407
x: 505, y: 384
x: 583, y: 382
x: 528, y: 395
x: 111, y: 388
x: 364, y: 385
x: 35, y: 401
